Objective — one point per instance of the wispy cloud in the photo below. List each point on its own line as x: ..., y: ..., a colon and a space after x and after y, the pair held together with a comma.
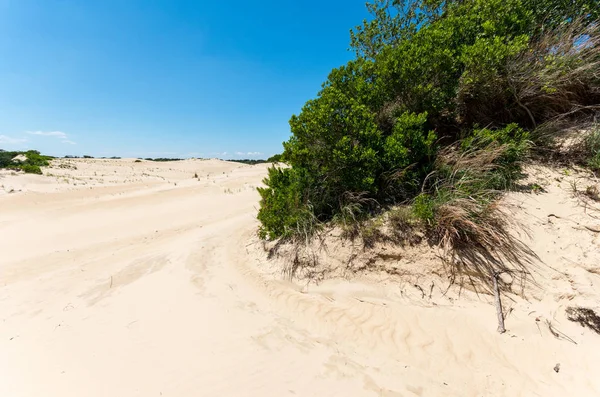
x: 55, y: 134
x: 10, y: 140
x: 248, y: 153
x: 58, y: 134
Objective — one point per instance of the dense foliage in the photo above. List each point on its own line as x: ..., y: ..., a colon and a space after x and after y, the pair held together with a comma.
x: 276, y: 158
x: 428, y: 76
x: 31, y: 165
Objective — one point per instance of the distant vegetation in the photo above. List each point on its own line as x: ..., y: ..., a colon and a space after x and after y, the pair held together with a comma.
x: 277, y: 158
x: 162, y: 159
x: 248, y: 161
x: 437, y: 112
x: 31, y: 165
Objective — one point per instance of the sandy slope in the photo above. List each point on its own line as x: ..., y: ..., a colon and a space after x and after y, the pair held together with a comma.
x: 138, y: 279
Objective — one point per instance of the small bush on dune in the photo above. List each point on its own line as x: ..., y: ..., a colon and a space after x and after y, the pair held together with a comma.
x: 6, y: 158
x: 31, y: 169
x: 34, y: 160
x: 285, y: 211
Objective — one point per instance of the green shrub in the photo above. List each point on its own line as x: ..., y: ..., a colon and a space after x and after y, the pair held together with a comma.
x: 424, y: 208
x: 348, y: 166
x: 284, y: 209
x: 35, y: 158
x: 336, y: 141
x: 30, y: 169
x: 6, y: 158
x: 31, y: 165
x: 594, y: 163
x: 408, y: 154
x: 276, y: 158
x: 402, y: 122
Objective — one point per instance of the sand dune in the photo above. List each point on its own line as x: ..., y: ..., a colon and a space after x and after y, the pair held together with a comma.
x: 146, y: 279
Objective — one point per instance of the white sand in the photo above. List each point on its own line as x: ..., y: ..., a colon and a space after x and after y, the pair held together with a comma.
x: 136, y: 279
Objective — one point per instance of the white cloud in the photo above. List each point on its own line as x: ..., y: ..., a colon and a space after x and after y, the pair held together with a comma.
x: 218, y: 154
x: 58, y: 134
x: 55, y: 134
x: 9, y: 140
x: 248, y: 153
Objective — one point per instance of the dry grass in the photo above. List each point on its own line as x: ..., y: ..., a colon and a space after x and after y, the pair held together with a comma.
x: 478, y: 243
x: 467, y: 169
x: 559, y: 77
x: 552, y: 83
x: 587, y: 318
x: 470, y: 223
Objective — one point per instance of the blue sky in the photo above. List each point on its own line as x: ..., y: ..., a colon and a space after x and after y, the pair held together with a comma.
x: 164, y: 78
